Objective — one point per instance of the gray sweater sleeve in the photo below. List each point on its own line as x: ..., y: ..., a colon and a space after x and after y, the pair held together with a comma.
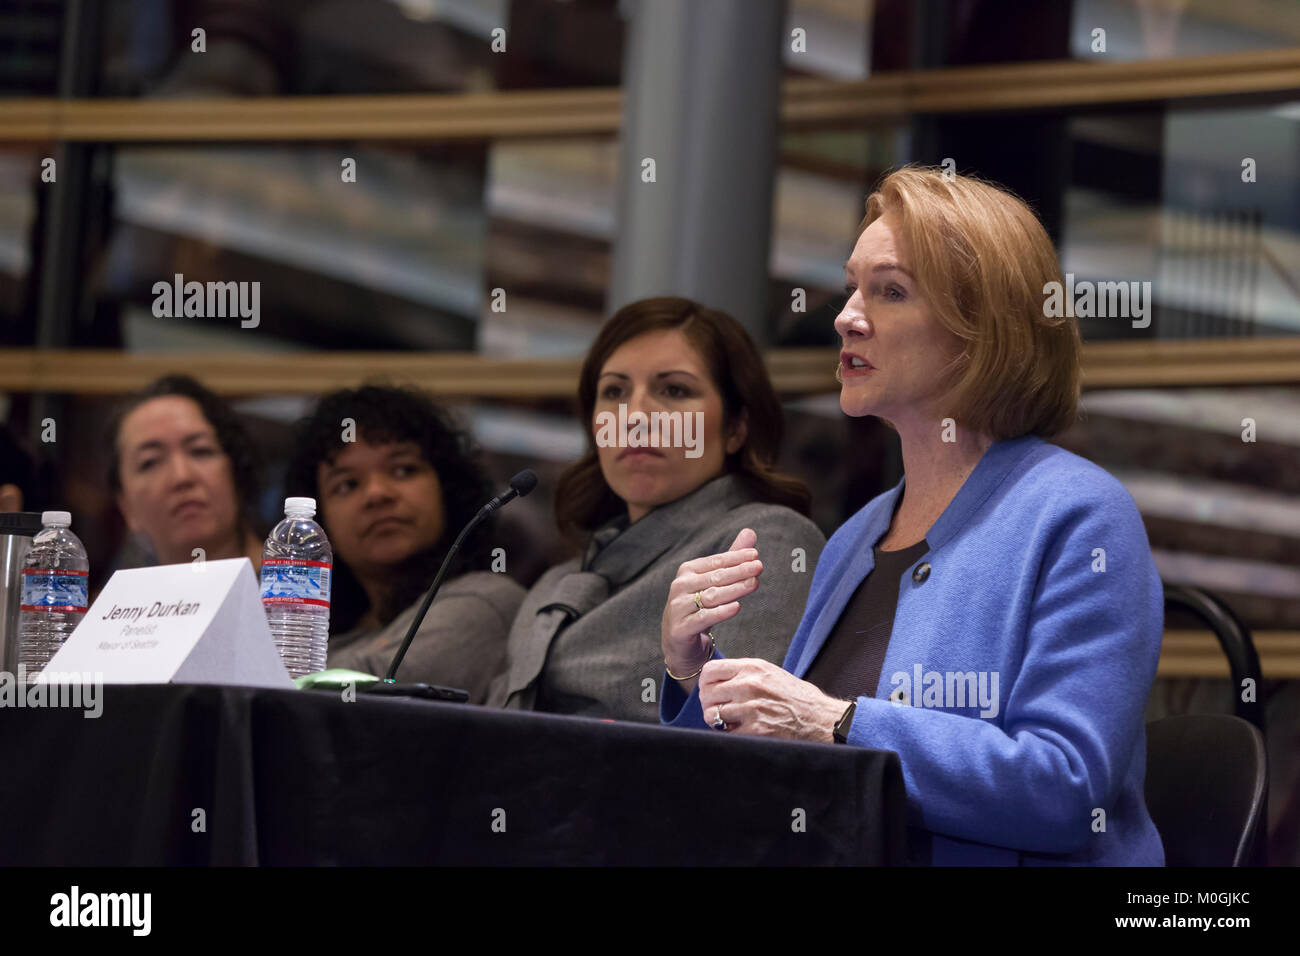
x: 789, y: 546
x: 460, y: 644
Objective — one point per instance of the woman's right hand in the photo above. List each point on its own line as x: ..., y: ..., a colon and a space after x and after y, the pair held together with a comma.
x: 720, y: 580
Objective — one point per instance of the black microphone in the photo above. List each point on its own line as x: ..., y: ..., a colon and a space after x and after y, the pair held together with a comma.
x: 520, y: 485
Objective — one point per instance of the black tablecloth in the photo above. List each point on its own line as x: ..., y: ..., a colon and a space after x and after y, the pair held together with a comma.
x: 304, y: 777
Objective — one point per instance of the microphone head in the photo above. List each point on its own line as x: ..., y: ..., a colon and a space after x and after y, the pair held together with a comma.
x: 524, y: 482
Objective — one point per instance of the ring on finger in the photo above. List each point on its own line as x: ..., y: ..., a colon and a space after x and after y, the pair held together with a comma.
x: 699, y: 604
x: 718, y: 722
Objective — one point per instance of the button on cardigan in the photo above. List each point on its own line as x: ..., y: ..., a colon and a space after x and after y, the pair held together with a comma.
x: 1019, y: 665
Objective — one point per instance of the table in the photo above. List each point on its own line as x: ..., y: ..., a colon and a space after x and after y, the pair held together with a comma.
x: 214, y: 775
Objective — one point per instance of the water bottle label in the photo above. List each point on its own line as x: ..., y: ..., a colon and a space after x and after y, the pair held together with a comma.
x: 290, y: 581
x: 62, y: 590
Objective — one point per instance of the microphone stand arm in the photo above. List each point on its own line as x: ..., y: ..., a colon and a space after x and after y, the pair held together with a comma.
x: 390, y: 677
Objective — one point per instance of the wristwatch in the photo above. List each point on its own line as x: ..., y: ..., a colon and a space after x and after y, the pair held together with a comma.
x: 841, y: 731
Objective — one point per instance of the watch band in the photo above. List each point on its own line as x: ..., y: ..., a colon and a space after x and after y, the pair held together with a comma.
x: 841, y: 731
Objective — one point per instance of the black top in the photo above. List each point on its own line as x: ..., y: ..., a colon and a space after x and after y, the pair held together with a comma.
x: 848, y: 665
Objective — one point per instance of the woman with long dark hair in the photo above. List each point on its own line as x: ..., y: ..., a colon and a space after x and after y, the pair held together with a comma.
x: 684, y: 431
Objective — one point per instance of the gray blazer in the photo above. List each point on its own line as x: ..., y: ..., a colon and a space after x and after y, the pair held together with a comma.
x: 587, y: 637
x: 461, y: 643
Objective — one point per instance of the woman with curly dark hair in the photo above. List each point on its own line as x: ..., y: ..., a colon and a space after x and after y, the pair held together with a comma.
x: 185, y: 474
x: 395, y: 481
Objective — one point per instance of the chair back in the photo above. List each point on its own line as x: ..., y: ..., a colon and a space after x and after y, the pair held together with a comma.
x: 1207, y: 777
x: 1234, y: 637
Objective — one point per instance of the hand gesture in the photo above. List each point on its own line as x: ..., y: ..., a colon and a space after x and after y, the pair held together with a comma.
x: 706, y: 591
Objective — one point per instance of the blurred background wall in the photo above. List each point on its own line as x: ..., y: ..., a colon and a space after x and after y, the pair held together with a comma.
x: 499, y: 212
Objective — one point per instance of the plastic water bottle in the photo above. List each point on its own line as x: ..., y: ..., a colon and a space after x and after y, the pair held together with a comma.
x: 296, y: 567
x: 56, y: 574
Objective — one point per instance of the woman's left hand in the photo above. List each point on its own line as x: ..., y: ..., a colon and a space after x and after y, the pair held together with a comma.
x: 757, y: 697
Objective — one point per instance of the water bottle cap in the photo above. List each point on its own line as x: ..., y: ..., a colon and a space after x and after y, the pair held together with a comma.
x: 299, y: 504
x: 62, y: 519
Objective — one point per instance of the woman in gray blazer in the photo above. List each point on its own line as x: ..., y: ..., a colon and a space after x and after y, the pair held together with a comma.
x: 684, y: 430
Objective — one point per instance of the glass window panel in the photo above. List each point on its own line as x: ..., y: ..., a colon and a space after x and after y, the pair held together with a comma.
x: 309, y: 47
x: 552, y: 214
x: 321, y: 47
x: 1153, y: 29
x: 835, y: 42
x: 551, y: 205
x: 1177, y: 199
x: 20, y: 194
x: 819, y: 200
x: 1222, y: 512
x: 914, y: 35
x: 30, y: 32
x: 392, y: 260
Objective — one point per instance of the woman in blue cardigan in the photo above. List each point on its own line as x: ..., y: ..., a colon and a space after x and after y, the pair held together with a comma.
x: 1006, y: 643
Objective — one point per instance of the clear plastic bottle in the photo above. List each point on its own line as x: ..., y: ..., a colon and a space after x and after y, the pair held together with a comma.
x: 56, y: 575
x: 296, y: 566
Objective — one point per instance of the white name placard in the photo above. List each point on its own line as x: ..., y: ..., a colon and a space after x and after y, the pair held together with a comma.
x: 199, y: 623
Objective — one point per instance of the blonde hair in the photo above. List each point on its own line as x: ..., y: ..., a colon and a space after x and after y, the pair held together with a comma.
x: 982, y: 258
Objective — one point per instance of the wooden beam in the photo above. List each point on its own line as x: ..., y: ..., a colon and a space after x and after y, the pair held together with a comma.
x: 886, y: 97
x: 109, y: 372
x: 459, y: 116
x: 1094, y: 81
x: 1167, y: 363
x: 794, y: 371
x: 1198, y: 654
x: 1051, y: 84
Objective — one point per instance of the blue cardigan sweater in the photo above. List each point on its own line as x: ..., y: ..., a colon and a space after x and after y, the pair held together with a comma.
x: 1017, y: 673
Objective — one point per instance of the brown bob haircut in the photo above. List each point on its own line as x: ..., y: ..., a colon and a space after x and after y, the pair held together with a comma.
x: 583, y: 500
x: 982, y: 260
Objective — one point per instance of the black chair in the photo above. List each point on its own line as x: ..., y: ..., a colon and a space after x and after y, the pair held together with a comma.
x: 1234, y: 638
x: 1207, y: 778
